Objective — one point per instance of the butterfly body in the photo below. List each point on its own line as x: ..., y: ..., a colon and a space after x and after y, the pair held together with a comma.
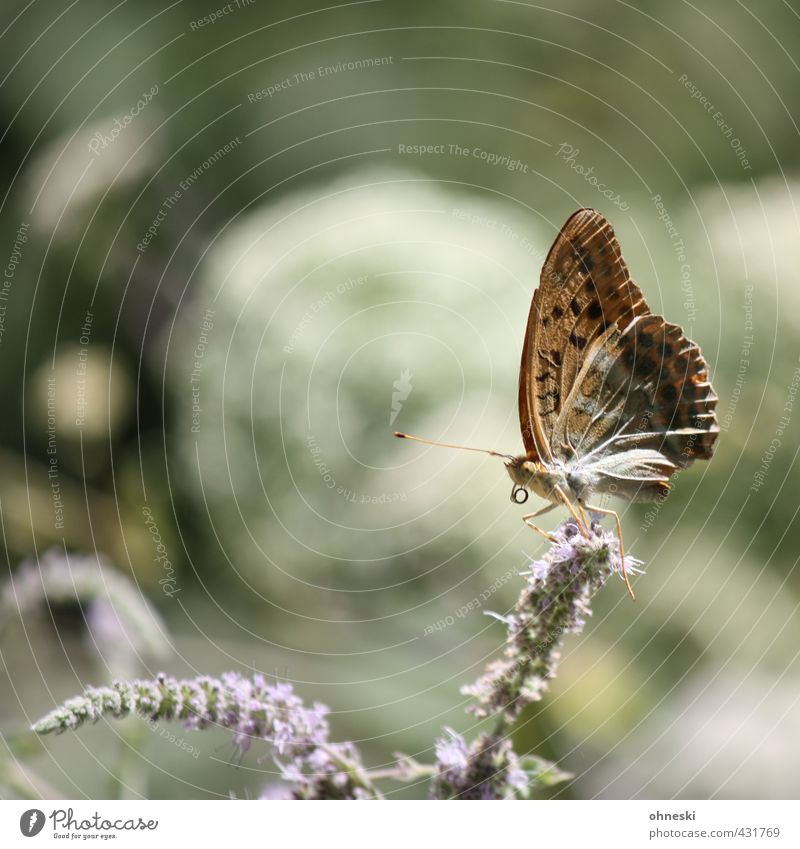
x: 638, y: 475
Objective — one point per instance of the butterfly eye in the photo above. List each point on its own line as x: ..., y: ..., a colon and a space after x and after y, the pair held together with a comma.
x: 518, y: 491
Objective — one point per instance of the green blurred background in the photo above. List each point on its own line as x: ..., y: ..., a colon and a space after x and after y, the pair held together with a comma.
x: 229, y: 275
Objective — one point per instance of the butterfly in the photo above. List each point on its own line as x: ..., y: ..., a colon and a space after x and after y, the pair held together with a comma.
x: 613, y: 399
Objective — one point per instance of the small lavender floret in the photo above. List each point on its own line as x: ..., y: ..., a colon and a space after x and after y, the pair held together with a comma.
x: 554, y: 602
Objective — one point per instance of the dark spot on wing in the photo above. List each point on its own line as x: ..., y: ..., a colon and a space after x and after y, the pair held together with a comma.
x: 586, y: 260
x: 595, y: 310
x: 575, y: 306
x: 578, y: 341
x: 645, y: 340
x: 557, y: 312
x: 669, y: 392
x: 555, y: 356
x: 645, y: 367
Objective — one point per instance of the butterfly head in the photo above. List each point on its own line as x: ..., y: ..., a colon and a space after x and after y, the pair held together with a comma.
x: 522, y: 470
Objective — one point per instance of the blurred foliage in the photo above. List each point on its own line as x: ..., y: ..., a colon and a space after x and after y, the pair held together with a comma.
x: 687, y: 693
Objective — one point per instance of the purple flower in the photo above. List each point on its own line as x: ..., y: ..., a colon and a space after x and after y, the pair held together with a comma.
x: 251, y: 708
x: 554, y: 602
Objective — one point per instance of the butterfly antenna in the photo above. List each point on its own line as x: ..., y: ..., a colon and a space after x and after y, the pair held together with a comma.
x: 450, y: 445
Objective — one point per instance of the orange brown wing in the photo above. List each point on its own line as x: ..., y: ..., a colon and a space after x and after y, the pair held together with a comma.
x: 584, y: 289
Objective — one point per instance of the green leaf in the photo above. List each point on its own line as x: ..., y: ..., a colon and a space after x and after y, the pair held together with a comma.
x: 544, y: 773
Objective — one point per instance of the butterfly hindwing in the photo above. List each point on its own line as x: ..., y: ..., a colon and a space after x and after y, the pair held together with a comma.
x: 642, y: 388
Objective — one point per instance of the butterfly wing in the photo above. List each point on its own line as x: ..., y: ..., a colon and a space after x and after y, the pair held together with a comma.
x: 643, y: 393
x: 584, y: 290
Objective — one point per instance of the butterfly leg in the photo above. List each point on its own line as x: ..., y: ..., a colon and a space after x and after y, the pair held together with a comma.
x: 528, y: 516
x: 582, y: 526
x: 621, y: 544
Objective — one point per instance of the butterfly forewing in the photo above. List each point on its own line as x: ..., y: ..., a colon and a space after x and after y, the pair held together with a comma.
x: 584, y: 289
